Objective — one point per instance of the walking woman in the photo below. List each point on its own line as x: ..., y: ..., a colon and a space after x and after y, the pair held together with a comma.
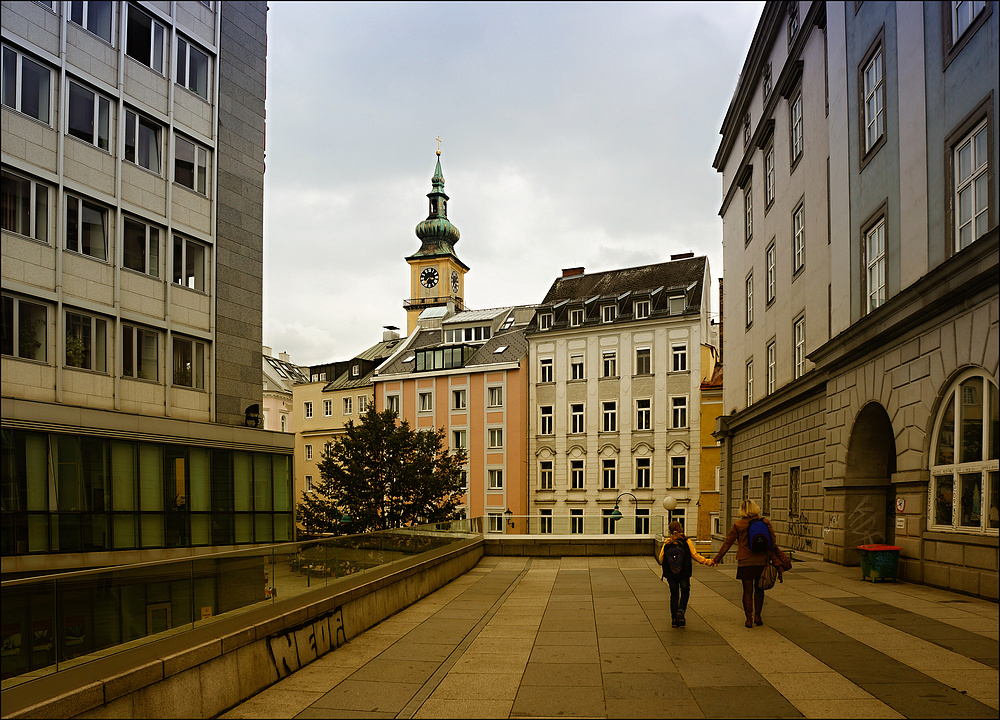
x: 750, y: 564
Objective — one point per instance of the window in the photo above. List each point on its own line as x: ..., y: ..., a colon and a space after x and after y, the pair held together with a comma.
x: 392, y: 403
x: 355, y: 370
x: 768, y: 176
x: 576, y: 418
x: 609, y: 416
x: 679, y: 354
x: 609, y: 366
x: 458, y: 439
x: 678, y: 472
x: 545, y: 475
x: 308, y: 410
x: 464, y: 481
x: 607, y: 524
x: 328, y: 408
x: 576, y: 318
x: 141, y: 251
x: 748, y: 213
x: 140, y: 353
x: 679, y: 412
x: 576, y: 475
x: 25, y: 329
x: 767, y: 80
x: 545, y: 321
x: 641, y: 521
x: 769, y: 260
x: 426, y: 401
x: 962, y: 15
x: 142, y: 141
x: 793, y: 492
x: 284, y: 422
x: 770, y: 367
x: 545, y: 370
x: 495, y: 522
x: 765, y: 506
x: 679, y: 515
x: 609, y: 313
x: 95, y: 16
x: 875, y: 265
x: 192, y: 68
x: 495, y: 479
x: 24, y: 207
x: 873, y: 102
x: 545, y: 521
x: 190, y: 260
x: 746, y: 130
x: 749, y: 290
x: 971, y: 187
x: 576, y: 521
x: 749, y: 382
x: 545, y: 424
x: 966, y: 447
x: 793, y: 22
x: 27, y: 85
x: 86, y: 228
x: 144, y: 39
x: 309, y: 484
x: 643, y: 472
x: 677, y: 304
x: 798, y: 238
x: 190, y: 165
x: 458, y: 399
x: 640, y: 310
x: 88, y: 116
x: 576, y: 367
x: 86, y: 342
x: 643, y: 362
x: 495, y: 438
x: 362, y: 404
x: 309, y: 452
x: 799, y: 353
x: 609, y: 474
x: 643, y: 414
x: 495, y: 398
x: 795, y: 123
x: 189, y: 364
x: 348, y: 405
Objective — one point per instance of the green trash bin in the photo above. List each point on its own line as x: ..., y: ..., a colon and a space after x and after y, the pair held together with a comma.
x: 879, y: 562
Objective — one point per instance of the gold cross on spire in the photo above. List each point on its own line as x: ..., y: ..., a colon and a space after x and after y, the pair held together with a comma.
x: 438, y: 138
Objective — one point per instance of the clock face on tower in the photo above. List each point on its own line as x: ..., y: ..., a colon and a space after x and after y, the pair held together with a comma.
x: 429, y: 277
x: 454, y: 281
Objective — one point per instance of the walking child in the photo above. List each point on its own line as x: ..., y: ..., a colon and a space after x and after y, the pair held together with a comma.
x: 675, y: 557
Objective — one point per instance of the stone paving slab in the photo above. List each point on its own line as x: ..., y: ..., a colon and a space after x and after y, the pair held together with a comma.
x: 589, y: 637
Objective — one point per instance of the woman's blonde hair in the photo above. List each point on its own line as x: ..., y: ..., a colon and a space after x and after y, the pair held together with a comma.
x: 675, y: 526
x: 748, y: 507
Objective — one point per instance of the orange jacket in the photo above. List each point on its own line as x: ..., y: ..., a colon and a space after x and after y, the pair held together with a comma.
x: 694, y: 553
x: 739, y: 535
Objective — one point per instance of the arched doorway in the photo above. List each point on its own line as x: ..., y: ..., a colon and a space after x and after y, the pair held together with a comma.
x: 869, y: 503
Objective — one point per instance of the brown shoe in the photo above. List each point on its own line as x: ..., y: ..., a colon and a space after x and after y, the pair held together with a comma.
x: 758, y: 621
x: 749, y: 623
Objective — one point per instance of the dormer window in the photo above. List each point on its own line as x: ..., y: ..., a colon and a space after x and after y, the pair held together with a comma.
x: 609, y: 313
x: 355, y: 370
x: 545, y: 321
x: 576, y: 317
x: 677, y: 305
x: 641, y: 309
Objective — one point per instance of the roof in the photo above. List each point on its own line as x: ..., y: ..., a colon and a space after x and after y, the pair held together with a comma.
x: 282, y: 374
x: 477, y: 315
x: 369, y: 361
x: 674, y: 275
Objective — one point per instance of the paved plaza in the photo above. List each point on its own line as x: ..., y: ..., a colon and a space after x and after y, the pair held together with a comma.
x: 591, y: 637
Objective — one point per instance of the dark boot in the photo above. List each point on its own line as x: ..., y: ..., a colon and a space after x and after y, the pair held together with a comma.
x: 680, y: 618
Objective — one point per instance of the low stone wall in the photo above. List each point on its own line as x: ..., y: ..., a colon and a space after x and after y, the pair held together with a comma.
x: 569, y: 546
x: 203, y: 672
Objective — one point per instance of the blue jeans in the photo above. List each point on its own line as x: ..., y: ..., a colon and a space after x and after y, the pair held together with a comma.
x: 680, y: 589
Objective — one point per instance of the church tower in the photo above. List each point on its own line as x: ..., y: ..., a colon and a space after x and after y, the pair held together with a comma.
x: 437, y: 276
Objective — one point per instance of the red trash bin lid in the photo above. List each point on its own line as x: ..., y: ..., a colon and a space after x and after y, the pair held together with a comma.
x: 878, y: 547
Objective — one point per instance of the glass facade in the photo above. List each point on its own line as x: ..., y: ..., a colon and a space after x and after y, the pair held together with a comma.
x: 78, y: 493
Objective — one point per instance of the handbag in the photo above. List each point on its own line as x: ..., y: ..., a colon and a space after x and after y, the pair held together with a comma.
x: 779, y: 559
x: 768, y: 578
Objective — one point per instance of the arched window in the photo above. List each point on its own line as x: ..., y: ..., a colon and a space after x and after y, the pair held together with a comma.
x: 964, y: 495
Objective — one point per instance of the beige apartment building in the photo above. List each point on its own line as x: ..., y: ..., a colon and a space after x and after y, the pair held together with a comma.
x: 614, y: 398
x: 858, y: 159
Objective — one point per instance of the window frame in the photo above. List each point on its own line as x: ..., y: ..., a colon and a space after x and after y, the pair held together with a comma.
x: 199, y: 361
x: 86, y: 21
x: 678, y: 410
x: 576, y: 362
x: 643, y: 414
x: 771, y: 365
x: 749, y: 381
x: 459, y: 439
x: 544, y: 321
x: 154, y: 25
x: 748, y: 286
x: 796, y: 128
x: 37, y: 225
x: 348, y: 403
x: 200, y: 172
x: 392, y: 403
x: 83, y: 204
x: 138, y: 351
x: 870, y: 141
x: 768, y: 176
x: 577, y: 316
x: 609, y: 313
x: 99, y: 115
x: 545, y: 475
x: 770, y: 258
x: 307, y: 409
x: 643, y: 473
x: 578, y: 418
x: 45, y: 96
x: 609, y: 474
x: 151, y: 246
x: 545, y: 370
x: 196, y: 282
x: 459, y: 399
x: 980, y: 120
x: 875, y: 227
x: 425, y: 401
x: 799, y: 347
x: 678, y: 356
x: 494, y: 395
x: 328, y: 407
x: 94, y: 357
x: 641, y: 309
x: 747, y: 213
x: 798, y: 237
x: 678, y: 471
x: 609, y: 416
x: 609, y: 363
x: 643, y: 361
x: 546, y: 420
x: 138, y: 121
x: 577, y: 474
x: 183, y: 75
x: 494, y: 478
x: 494, y: 438
x: 17, y: 335
x: 952, y: 38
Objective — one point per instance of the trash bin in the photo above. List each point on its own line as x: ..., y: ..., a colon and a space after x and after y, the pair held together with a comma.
x: 879, y: 562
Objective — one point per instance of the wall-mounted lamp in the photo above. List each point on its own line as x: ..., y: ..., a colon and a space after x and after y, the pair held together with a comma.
x: 616, y: 514
x: 507, y: 515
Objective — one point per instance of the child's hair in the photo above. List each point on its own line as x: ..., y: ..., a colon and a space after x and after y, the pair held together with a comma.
x: 675, y: 526
x: 748, y: 507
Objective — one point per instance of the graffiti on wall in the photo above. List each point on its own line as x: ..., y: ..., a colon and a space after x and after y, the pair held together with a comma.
x: 797, y: 531
x: 865, y: 524
x: 299, y: 646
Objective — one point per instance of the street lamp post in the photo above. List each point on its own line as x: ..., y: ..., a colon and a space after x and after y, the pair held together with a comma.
x: 616, y: 514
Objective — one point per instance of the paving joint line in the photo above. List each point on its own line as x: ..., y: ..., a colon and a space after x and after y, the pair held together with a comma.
x: 420, y: 697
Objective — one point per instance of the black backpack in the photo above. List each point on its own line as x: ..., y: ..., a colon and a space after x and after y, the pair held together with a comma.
x: 758, y: 535
x: 676, y: 559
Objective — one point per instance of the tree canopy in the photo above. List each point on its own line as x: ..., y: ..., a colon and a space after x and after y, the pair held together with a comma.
x: 382, y: 474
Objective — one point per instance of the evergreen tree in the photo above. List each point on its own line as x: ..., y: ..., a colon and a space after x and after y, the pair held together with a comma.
x: 382, y: 474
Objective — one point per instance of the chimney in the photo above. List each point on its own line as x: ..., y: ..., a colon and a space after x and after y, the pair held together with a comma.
x: 391, y: 332
x: 267, y: 350
x: 682, y: 256
x: 284, y: 356
x: 570, y: 272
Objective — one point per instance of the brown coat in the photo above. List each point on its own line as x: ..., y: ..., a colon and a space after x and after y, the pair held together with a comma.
x: 739, y: 535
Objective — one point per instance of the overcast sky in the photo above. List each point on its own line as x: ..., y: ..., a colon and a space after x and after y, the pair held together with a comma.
x: 572, y: 135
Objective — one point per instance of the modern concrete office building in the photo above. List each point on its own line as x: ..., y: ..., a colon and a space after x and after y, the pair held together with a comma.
x: 858, y: 158
x: 614, y: 397
x: 132, y: 231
